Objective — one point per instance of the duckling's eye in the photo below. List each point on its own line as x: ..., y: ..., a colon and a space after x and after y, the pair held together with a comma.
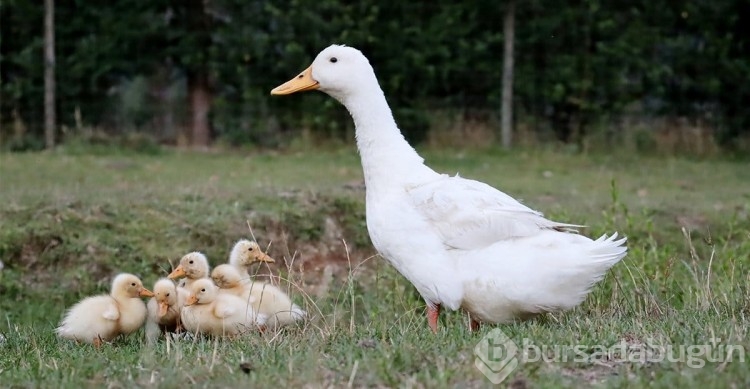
x: 133, y: 284
x: 334, y: 60
x: 203, y: 290
x: 250, y: 249
x: 167, y: 294
x: 191, y: 262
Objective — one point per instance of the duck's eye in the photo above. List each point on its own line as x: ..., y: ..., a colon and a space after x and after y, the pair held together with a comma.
x: 191, y: 262
x: 203, y: 290
x: 300, y: 76
x: 250, y: 249
x: 133, y: 284
x: 167, y: 294
x: 334, y: 60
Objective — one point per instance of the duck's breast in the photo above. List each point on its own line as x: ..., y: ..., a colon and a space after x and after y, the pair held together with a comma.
x: 133, y: 314
x: 406, y: 240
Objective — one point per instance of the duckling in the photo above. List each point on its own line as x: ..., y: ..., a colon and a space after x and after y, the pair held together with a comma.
x: 193, y: 266
x: 102, y: 318
x: 164, y: 309
x: 245, y: 253
x: 209, y: 312
x: 265, y: 298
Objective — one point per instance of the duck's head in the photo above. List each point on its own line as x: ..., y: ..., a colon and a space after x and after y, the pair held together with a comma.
x: 129, y: 286
x: 245, y: 253
x: 193, y: 265
x: 226, y: 276
x: 202, y: 291
x: 339, y: 71
x: 165, y: 294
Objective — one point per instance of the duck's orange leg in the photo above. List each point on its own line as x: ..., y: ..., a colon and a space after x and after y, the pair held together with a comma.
x: 432, y: 317
x: 473, y: 324
x: 98, y: 342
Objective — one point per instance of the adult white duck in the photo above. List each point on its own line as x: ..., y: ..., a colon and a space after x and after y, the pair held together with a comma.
x: 462, y: 243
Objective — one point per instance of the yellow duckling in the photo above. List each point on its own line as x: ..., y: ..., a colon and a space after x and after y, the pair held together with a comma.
x: 265, y: 298
x: 164, y: 309
x: 209, y: 312
x: 245, y: 253
x: 193, y: 266
x: 102, y: 318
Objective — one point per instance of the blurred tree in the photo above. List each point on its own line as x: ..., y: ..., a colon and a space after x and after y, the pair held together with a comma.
x: 507, y: 105
x: 189, y: 45
x: 578, y: 65
x: 50, y: 121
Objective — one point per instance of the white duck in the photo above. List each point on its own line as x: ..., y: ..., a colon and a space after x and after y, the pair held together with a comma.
x: 209, y: 312
x: 462, y: 243
x: 102, y: 318
x: 164, y: 309
x: 265, y: 298
x: 193, y: 266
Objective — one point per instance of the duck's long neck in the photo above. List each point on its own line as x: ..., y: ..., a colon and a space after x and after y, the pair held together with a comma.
x: 385, y: 153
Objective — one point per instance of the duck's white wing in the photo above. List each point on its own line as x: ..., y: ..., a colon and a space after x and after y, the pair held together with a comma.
x: 470, y: 214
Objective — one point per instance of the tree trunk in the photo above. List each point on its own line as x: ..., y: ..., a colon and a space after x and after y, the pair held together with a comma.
x: 200, y: 105
x: 506, y: 114
x: 50, y: 119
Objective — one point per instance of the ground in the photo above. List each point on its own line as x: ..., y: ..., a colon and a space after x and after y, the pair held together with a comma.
x: 69, y: 221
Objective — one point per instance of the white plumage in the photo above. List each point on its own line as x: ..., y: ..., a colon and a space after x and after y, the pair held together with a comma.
x: 462, y: 243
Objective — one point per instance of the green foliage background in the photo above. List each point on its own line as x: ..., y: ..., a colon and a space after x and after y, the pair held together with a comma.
x: 580, y: 65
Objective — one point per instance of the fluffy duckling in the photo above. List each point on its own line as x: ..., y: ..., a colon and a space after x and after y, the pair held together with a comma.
x: 102, y: 318
x: 164, y: 309
x: 209, y: 312
x: 265, y: 298
x: 193, y: 266
x: 245, y: 253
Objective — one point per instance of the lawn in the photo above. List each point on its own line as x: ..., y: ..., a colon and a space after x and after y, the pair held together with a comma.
x: 70, y: 221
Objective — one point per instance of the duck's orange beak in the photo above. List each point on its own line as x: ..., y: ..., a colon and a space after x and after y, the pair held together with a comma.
x: 163, y: 307
x: 263, y: 257
x: 303, y: 82
x: 146, y: 293
x: 191, y: 300
x: 177, y: 273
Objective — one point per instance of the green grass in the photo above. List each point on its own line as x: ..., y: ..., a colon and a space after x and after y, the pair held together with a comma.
x: 69, y: 222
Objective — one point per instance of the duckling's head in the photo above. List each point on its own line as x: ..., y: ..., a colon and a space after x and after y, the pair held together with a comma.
x: 165, y: 294
x: 202, y: 291
x: 226, y: 276
x: 340, y: 71
x: 193, y: 265
x: 245, y: 253
x: 129, y: 286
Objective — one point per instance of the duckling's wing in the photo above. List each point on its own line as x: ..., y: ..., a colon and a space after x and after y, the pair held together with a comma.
x: 111, y: 312
x: 469, y: 214
x: 224, y: 310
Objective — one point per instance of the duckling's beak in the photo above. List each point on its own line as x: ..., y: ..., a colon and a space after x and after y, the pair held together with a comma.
x: 146, y: 293
x: 163, y: 307
x: 177, y: 273
x: 191, y: 300
x: 303, y: 82
x: 263, y: 257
